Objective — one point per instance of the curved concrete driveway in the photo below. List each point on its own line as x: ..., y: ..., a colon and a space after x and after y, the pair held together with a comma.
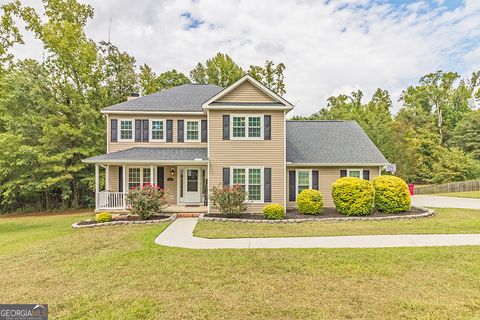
x: 445, y: 202
x: 180, y: 234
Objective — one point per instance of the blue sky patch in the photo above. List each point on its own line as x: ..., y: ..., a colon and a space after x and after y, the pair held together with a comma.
x: 192, y: 22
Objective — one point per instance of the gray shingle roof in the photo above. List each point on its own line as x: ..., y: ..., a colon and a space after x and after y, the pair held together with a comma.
x: 330, y: 142
x: 184, y: 98
x: 152, y: 154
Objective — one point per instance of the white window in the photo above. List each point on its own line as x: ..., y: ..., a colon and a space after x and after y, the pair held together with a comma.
x: 138, y: 177
x: 356, y: 173
x: 250, y: 180
x: 126, y: 130
x: 304, y: 180
x: 246, y: 127
x: 192, y: 130
x: 157, y: 130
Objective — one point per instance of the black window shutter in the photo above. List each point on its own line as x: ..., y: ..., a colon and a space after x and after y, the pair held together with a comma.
x: 145, y: 130
x: 204, y: 131
x: 180, y: 130
x: 226, y: 127
x: 226, y: 177
x: 267, y: 127
x: 169, y: 130
x: 267, y: 184
x: 315, y: 179
x: 343, y: 173
x: 366, y: 174
x: 120, y: 179
x: 161, y: 177
x: 138, y: 130
x: 292, y: 187
x: 113, y: 130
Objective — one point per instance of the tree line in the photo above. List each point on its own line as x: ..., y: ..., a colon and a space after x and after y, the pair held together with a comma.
x: 50, y: 110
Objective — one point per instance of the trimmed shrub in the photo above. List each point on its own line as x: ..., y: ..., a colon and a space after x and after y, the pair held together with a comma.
x: 147, y: 201
x: 391, y: 194
x: 104, y: 217
x: 229, y: 200
x: 353, y: 196
x: 274, y: 211
x: 310, y: 202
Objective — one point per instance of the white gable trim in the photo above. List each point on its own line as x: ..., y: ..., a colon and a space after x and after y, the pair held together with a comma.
x: 257, y: 84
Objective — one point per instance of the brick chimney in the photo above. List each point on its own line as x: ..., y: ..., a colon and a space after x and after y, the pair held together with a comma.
x: 133, y: 96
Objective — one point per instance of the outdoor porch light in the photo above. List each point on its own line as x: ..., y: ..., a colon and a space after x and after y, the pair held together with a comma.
x: 172, y: 172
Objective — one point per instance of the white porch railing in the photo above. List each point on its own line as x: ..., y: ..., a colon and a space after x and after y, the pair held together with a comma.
x: 107, y: 200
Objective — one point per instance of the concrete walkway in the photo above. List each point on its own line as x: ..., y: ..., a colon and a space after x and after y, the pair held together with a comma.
x: 445, y: 202
x: 180, y: 234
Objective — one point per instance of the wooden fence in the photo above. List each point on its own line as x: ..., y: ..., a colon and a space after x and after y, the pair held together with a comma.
x: 471, y: 185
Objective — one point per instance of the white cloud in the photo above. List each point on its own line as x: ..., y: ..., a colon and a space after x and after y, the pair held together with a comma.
x: 328, y: 47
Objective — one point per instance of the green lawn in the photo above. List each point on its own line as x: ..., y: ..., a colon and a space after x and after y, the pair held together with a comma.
x: 119, y: 273
x: 445, y: 221
x: 466, y: 194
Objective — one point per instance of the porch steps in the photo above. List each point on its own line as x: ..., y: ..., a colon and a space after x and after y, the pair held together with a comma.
x: 188, y: 214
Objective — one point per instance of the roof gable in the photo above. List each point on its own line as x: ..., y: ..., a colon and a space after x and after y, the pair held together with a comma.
x: 247, y: 92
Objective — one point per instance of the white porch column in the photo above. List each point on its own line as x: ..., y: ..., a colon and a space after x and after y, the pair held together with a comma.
x: 107, y: 178
x: 97, y: 184
x: 124, y: 179
x: 151, y: 174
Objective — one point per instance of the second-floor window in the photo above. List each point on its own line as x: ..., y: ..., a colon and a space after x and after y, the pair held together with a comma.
x: 126, y: 130
x: 246, y: 127
x: 157, y: 129
x: 192, y: 132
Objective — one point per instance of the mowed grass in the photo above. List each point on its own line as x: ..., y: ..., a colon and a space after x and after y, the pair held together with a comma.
x: 466, y: 194
x: 445, y: 221
x: 119, y: 273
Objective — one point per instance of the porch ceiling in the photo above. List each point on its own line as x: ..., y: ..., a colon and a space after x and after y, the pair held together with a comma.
x: 153, y: 155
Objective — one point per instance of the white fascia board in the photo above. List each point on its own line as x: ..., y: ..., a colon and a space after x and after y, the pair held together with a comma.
x: 290, y: 164
x: 165, y: 162
x: 259, y: 107
x: 154, y: 112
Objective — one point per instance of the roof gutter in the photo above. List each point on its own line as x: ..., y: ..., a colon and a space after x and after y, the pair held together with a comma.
x: 153, y: 112
x: 166, y: 162
x: 230, y: 107
x: 293, y: 164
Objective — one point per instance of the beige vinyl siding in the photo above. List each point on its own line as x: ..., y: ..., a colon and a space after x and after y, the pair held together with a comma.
x: 113, y: 179
x: 118, y: 146
x: 326, y: 177
x: 246, y: 92
x: 248, y: 153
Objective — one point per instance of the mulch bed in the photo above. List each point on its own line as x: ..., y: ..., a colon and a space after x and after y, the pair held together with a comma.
x: 125, y: 218
x: 327, y: 213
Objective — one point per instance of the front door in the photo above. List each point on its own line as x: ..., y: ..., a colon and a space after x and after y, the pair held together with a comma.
x: 192, y: 185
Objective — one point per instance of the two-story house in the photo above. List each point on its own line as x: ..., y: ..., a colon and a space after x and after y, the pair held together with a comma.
x: 190, y: 138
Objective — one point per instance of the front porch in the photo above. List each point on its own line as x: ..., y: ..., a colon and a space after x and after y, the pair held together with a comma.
x: 181, y: 172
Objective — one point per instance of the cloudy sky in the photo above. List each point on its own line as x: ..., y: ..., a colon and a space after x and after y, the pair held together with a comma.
x: 329, y: 47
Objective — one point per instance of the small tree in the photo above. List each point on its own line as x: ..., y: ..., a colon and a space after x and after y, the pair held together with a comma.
x: 229, y: 200
x: 147, y: 201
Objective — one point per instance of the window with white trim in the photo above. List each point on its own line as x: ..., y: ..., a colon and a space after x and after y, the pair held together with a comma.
x: 247, y: 127
x: 251, y: 181
x: 157, y: 130
x: 304, y: 180
x: 126, y: 130
x: 192, y: 132
x: 138, y: 177
x: 356, y: 173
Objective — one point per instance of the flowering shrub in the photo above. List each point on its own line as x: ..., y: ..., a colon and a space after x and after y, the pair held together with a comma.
x: 229, y: 200
x: 147, y: 201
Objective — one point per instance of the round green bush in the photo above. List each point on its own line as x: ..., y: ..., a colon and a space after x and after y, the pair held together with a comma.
x: 274, y: 212
x: 310, y: 202
x: 104, y: 217
x: 353, y: 196
x: 391, y: 194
